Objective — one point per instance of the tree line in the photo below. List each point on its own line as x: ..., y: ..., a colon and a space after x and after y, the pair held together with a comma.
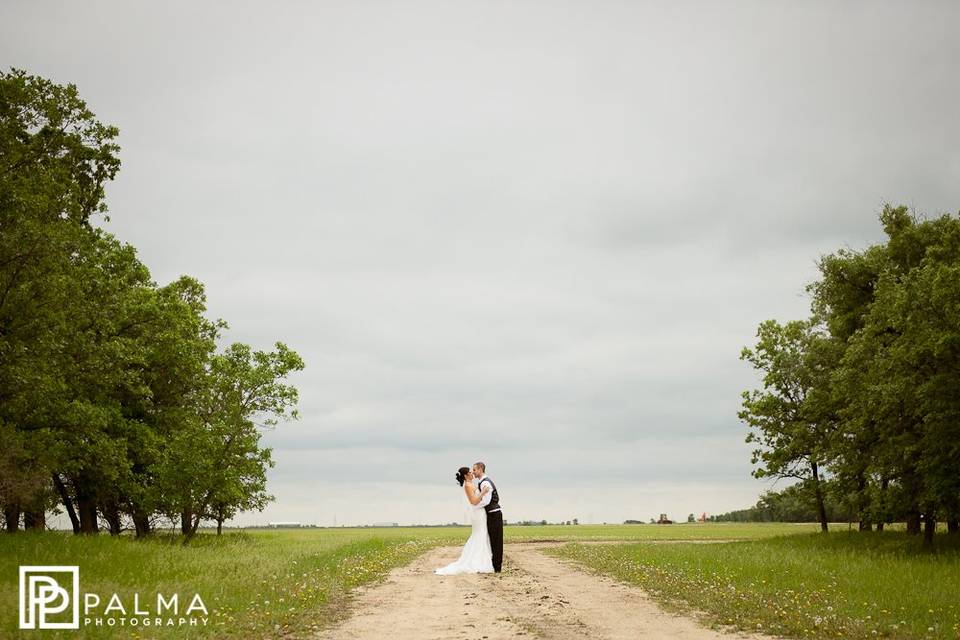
x: 793, y: 504
x: 117, y: 403
x: 860, y: 401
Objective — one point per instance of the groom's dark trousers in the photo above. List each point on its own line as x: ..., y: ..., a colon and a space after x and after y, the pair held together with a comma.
x: 495, y: 529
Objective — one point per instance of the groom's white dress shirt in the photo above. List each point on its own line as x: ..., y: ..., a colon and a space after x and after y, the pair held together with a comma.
x: 486, y: 497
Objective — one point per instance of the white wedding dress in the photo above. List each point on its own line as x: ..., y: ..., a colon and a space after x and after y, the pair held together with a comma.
x: 476, y: 556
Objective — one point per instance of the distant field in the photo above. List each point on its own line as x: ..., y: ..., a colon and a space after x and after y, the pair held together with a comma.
x: 708, y: 531
x: 265, y: 582
x: 844, y: 585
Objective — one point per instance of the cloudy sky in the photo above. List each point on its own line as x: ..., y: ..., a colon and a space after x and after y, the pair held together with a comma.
x: 532, y: 233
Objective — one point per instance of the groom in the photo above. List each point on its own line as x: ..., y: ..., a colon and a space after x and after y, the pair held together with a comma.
x: 490, y: 501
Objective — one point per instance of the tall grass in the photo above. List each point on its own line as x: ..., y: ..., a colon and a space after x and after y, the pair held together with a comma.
x: 252, y: 585
x: 839, y: 585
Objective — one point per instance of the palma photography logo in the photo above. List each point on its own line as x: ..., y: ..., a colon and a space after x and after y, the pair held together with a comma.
x: 49, y: 597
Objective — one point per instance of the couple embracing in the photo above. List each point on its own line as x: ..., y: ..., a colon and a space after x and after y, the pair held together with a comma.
x: 483, y: 552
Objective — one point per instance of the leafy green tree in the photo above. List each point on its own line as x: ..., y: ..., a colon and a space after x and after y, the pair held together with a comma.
x: 24, y: 484
x: 55, y: 159
x: 112, y: 398
x: 894, y: 306
x: 792, y: 416
x: 217, y: 463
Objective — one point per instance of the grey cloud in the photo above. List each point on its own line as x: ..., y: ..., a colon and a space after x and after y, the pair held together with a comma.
x: 535, y: 233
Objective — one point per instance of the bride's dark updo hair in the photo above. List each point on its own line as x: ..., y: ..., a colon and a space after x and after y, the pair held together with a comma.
x: 462, y: 474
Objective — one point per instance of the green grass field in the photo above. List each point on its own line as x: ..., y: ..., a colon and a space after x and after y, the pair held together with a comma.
x: 266, y: 582
x: 270, y: 580
x: 843, y: 585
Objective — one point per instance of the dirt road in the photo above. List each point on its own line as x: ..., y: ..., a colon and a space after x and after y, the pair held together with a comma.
x: 536, y: 596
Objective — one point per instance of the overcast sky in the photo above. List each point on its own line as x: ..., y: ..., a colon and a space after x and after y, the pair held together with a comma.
x: 531, y: 233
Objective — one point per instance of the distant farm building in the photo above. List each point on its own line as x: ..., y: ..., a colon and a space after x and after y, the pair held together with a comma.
x: 664, y: 519
x: 386, y: 524
x: 284, y: 525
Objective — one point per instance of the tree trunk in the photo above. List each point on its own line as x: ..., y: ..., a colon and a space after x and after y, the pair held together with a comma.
x: 192, y: 530
x: 221, y: 516
x: 913, y: 522
x: 35, y: 520
x: 818, y: 493
x: 911, y: 485
x: 111, y: 514
x: 141, y: 523
x: 884, y: 483
x: 929, y: 526
x: 11, y: 513
x: 67, y: 502
x: 951, y: 515
x: 866, y: 524
x: 186, y: 516
x: 86, y: 508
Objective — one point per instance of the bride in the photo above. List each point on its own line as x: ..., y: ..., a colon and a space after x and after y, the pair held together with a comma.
x: 476, y: 556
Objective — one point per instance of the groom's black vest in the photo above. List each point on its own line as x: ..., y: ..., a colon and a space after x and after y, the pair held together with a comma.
x: 494, y: 496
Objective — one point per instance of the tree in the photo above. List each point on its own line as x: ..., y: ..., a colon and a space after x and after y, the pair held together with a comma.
x: 791, y: 417
x: 24, y: 484
x: 106, y: 378
x: 895, y: 306
x: 217, y: 462
x: 178, y: 344
x: 55, y: 159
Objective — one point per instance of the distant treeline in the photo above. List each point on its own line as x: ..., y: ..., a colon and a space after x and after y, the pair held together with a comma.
x: 793, y: 504
x: 116, y: 404
x: 860, y: 402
